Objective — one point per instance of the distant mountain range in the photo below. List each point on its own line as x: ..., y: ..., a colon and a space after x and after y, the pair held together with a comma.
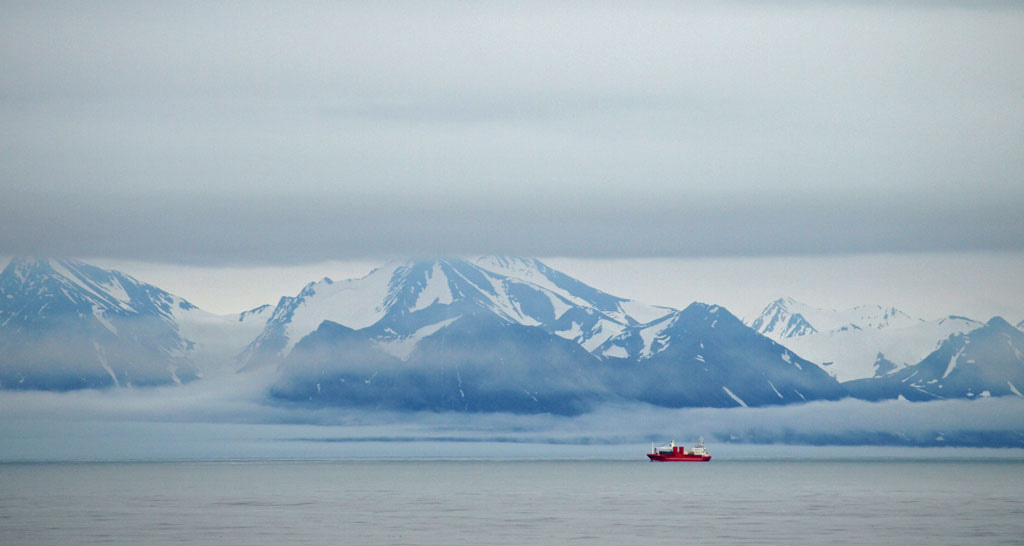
x: 705, y: 356
x: 987, y: 361
x: 858, y: 343
x: 505, y: 334
x: 486, y: 334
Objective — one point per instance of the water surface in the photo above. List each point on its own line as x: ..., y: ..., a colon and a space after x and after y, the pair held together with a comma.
x: 513, y: 502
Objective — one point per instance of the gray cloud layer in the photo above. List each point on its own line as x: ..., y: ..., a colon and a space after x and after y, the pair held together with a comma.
x: 279, y: 132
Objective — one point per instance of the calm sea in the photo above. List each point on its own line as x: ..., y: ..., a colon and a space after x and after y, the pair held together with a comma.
x: 514, y: 502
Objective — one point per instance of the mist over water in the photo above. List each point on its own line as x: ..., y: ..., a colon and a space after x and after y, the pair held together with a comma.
x: 231, y: 418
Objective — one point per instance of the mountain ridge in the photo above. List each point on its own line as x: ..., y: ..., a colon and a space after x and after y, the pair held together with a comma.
x: 403, y: 297
x: 100, y: 328
x: 861, y: 342
x: 67, y: 325
x: 565, y: 346
x: 987, y: 361
x: 704, y: 351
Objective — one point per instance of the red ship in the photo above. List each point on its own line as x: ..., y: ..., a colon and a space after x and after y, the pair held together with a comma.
x: 672, y: 452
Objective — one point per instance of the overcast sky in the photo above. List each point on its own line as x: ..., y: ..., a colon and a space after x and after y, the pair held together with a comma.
x: 281, y: 133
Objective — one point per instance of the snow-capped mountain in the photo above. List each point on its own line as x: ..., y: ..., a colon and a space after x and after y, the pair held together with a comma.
x: 987, y: 361
x: 65, y: 324
x: 705, y: 356
x: 474, y: 363
x: 865, y: 341
x: 404, y: 302
x: 480, y: 362
x: 787, y: 318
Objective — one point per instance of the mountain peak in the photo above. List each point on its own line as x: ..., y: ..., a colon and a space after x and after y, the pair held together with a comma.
x: 507, y: 262
x: 699, y: 307
x: 644, y: 341
x: 999, y: 323
x: 23, y: 267
x: 782, y: 319
x: 402, y: 298
x: 709, y: 313
x: 26, y: 267
x: 787, y: 318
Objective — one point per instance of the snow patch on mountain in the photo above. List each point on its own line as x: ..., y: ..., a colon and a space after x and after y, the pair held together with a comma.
x: 574, y: 332
x: 643, y: 313
x: 401, y: 347
x: 558, y: 304
x: 571, y: 290
x: 437, y: 290
x: 603, y: 330
x: 499, y: 298
x: 106, y: 365
x: 615, y: 351
x: 734, y: 397
x: 654, y: 338
x: 525, y: 270
x: 952, y: 363
x: 356, y: 303
x: 789, y: 360
x: 109, y: 293
x: 99, y: 315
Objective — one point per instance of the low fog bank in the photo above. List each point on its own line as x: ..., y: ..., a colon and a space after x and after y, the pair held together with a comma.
x: 231, y: 418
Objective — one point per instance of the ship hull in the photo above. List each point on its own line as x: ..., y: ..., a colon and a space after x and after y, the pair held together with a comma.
x: 681, y: 458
